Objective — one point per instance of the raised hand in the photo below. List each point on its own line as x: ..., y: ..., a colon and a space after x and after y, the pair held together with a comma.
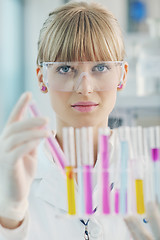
x: 18, y: 144
x: 137, y: 229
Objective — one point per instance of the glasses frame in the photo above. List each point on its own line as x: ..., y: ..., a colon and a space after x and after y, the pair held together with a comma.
x: 122, y: 63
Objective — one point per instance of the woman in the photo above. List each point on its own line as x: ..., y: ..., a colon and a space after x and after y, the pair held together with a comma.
x: 87, y: 41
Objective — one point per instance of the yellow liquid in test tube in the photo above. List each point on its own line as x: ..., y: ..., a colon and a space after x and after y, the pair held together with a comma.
x: 139, y: 196
x: 70, y: 191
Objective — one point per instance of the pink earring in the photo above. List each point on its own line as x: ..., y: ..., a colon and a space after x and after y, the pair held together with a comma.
x: 120, y: 86
x: 44, y: 88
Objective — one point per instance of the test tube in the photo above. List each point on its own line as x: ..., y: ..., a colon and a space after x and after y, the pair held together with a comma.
x: 117, y: 200
x: 131, y: 204
x: 104, y: 156
x: 148, y: 171
x: 81, y: 207
x: 69, y: 146
x: 138, y: 152
x: 53, y: 145
x: 123, y: 178
x: 157, y: 129
x: 154, y: 143
x: 115, y: 195
x: 87, y: 154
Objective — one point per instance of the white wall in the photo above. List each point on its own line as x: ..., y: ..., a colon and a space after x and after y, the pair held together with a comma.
x: 118, y: 8
x: 11, y: 56
x: 36, y: 11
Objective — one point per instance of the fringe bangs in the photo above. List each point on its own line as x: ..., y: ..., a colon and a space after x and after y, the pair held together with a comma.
x: 81, y: 36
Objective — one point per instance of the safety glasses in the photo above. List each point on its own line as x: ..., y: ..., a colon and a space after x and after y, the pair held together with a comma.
x: 70, y: 76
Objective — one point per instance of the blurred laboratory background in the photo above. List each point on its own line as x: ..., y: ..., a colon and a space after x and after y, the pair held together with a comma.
x: 137, y: 104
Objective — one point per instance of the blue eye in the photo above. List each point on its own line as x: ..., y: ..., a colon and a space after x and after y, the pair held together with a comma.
x: 63, y: 69
x: 101, y: 68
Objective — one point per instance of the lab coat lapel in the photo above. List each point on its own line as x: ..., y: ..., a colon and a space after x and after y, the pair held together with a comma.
x: 52, y: 183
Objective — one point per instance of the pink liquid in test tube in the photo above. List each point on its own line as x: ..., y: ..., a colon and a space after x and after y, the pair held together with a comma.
x: 88, y: 189
x: 105, y: 174
x: 53, y: 145
x: 117, y: 201
x: 87, y: 155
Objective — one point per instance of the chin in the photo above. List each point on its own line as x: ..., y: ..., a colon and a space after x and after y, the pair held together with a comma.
x: 83, y: 122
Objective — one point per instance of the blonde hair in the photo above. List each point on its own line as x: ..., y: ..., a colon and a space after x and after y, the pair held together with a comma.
x: 80, y: 31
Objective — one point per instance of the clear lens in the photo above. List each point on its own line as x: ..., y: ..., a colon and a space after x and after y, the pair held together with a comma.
x: 68, y: 76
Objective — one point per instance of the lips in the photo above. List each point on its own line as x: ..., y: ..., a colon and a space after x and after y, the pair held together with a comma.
x: 85, y: 106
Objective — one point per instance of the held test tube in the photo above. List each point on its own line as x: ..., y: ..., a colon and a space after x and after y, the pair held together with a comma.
x: 81, y: 207
x: 116, y: 174
x: 104, y: 156
x: 69, y: 146
x: 157, y: 129
x: 138, y: 157
x: 87, y: 154
x: 127, y: 169
x: 124, y: 162
x: 154, y: 133
x: 139, y: 182
x: 53, y: 145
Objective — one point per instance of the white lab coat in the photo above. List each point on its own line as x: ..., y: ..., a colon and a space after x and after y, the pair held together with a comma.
x: 46, y: 217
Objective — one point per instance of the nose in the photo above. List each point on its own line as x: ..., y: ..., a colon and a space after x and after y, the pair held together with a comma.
x: 83, y: 84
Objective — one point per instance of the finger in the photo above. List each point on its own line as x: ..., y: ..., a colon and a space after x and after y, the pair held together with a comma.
x: 30, y: 163
x: 137, y: 229
x: 19, y: 108
x: 24, y: 137
x: 24, y: 149
x: 34, y: 152
x: 25, y: 125
x: 153, y: 215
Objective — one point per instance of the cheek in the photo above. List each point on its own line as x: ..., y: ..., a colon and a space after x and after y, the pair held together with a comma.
x: 58, y: 100
x: 109, y: 100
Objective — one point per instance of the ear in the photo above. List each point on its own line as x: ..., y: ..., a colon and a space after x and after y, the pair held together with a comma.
x: 39, y: 75
x: 124, y: 77
x: 42, y: 85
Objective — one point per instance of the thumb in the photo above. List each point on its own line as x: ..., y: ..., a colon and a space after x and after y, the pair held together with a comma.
x: 18, y: 110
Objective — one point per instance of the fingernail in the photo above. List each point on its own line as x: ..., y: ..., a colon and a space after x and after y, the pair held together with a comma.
x: 25, y: 95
